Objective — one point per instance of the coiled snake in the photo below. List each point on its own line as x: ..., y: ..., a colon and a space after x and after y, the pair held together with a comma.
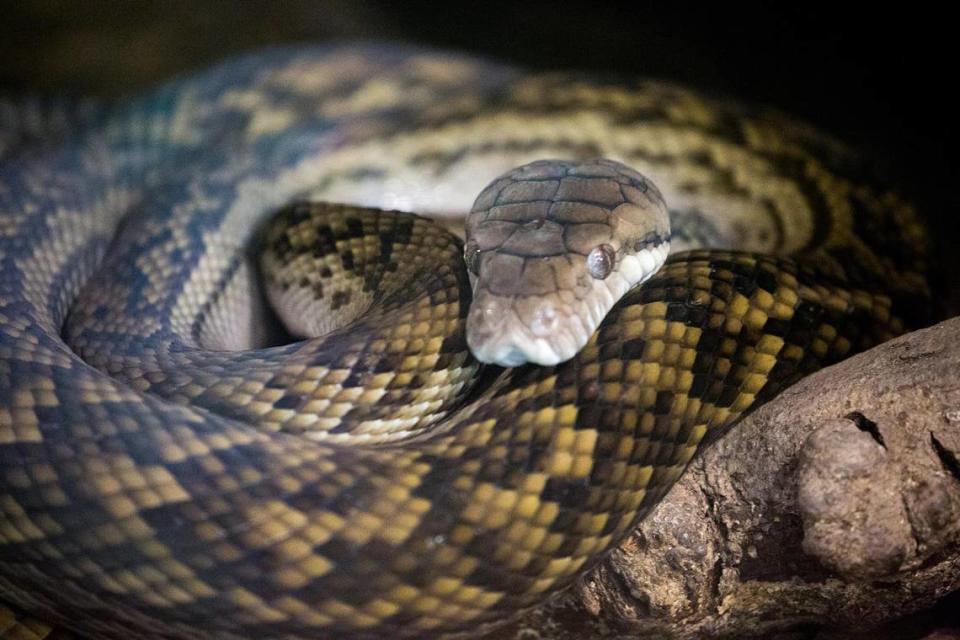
x: 170, y: 469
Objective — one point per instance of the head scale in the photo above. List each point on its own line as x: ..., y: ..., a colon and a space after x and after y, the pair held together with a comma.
x: 553, y: 245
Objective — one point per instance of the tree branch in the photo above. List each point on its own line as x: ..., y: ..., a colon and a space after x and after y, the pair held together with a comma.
x: 834, y: 506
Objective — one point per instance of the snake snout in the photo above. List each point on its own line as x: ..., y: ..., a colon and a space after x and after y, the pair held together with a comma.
x: 492, y: 314
x: 545, y: 320
x: 512, y: 331
x: 486, y: 334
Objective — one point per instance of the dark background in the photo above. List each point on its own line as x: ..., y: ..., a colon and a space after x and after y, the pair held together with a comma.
x: 882, y: 79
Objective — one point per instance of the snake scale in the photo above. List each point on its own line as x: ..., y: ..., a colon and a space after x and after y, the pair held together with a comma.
x: 193, y: 475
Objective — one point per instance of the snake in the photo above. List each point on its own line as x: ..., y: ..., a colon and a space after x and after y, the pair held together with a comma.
x: 179, y: 459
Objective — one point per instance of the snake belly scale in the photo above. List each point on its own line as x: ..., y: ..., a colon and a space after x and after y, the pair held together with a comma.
x: 176, y: 484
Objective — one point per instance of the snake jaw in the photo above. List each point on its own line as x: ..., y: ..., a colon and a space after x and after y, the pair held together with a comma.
x: 637, y: 268
x: 497, y: 333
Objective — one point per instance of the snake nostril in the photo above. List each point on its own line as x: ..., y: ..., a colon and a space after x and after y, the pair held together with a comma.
x: 492, y: 313
x: 544, y: 320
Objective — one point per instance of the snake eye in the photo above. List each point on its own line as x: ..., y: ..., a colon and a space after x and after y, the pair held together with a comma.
x: 600, y: 261
x: 471, y: 255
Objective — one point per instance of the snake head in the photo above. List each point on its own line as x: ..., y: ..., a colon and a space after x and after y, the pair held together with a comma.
x: 552, y: 246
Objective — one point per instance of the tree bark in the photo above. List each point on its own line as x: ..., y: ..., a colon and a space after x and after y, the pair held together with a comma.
x: 835, y: 507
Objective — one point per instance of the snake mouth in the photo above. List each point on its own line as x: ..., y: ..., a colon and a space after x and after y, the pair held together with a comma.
x: 546, y: 330
x: 497, y: 334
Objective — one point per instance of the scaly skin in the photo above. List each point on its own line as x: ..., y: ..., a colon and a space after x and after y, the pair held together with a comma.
x: 188, y: 481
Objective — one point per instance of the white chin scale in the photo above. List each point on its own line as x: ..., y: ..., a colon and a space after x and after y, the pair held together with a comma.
x: 635, y: 269
x: 516, y: 345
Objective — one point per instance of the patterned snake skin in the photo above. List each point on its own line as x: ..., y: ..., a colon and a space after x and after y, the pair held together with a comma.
x: 177, y: 471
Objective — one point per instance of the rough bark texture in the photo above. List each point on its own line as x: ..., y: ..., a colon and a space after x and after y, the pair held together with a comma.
x: 833, y: 509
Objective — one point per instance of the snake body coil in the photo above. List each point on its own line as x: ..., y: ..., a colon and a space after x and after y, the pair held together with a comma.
x: 170, y: 471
